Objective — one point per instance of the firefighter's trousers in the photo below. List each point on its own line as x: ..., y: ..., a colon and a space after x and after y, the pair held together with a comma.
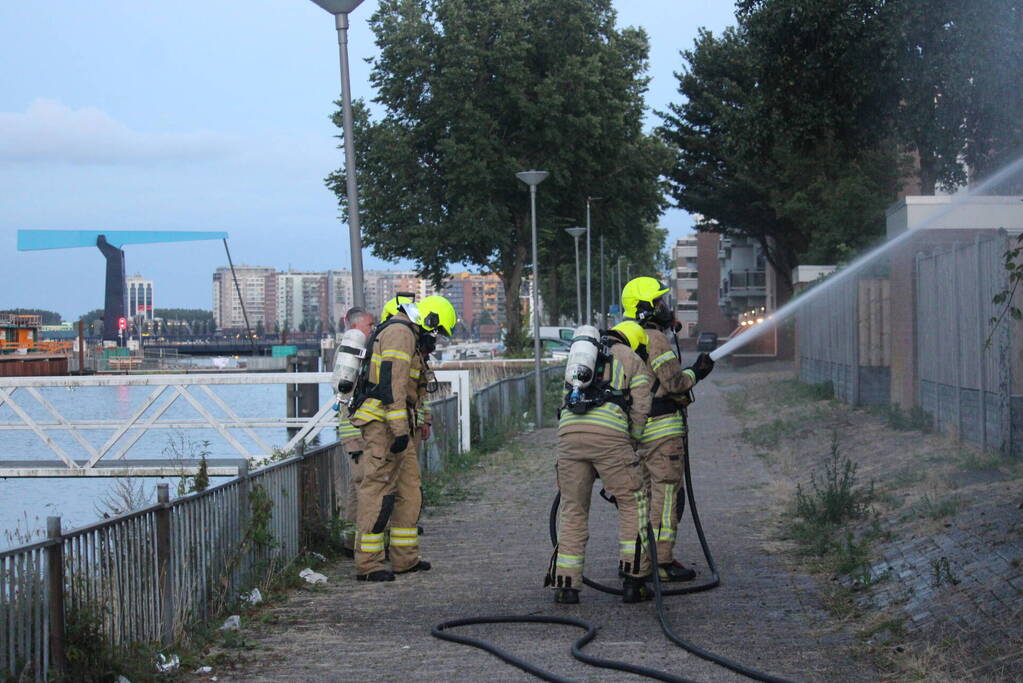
x: 354, y: 481
x: 389, y: 500
x: 581, y: 458
x: 662, y: 469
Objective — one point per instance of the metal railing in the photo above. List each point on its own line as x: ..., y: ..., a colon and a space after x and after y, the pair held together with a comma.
x: 205, y: 410
x: 748, y: 279
x: 143, y: 576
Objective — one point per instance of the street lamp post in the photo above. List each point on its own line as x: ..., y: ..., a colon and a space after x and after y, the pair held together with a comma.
x: 576, y: 233
x: 621, y: 308
x: 534, y: 178
x: 340, y: 9
x: 603, y: 307
x: 589, y: 271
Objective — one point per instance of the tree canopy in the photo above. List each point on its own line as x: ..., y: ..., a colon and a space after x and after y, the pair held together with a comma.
x: 800, y: 125
x: 472, y: 93
x: 48, y: 317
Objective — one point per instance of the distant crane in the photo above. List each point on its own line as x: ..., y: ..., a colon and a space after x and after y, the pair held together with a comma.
x: 109, y: 242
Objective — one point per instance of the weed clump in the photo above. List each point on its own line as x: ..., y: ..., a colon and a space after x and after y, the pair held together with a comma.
x: 835, y: 498
x: 823, y: 512
x: 914, y: 419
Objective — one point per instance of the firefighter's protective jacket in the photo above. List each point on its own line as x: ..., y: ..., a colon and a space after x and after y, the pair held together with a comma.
x: 625, y: 371
x: 351, y: 437
x: 672, y: 384
x: 396, y: 372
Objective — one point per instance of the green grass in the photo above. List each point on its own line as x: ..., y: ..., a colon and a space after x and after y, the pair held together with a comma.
x: 937, y: 508
x: 973, y: 460
x: 914, y: 419
x: 792, y: 392
x: 770, y: 434
x: 447, y: 486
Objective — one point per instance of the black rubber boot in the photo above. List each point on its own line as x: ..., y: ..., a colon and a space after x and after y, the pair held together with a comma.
x: 566, y: 596
x: 675, y: 571
x: 420, y: 566
x: 378, y: 575
x: 634, y: 589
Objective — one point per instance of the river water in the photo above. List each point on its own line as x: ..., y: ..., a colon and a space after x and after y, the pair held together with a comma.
x: 25, y: 503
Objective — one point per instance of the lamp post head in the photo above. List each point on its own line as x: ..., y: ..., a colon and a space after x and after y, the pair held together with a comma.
x: 576, y: 232
x: 532, y: 178
x: 338, y: 6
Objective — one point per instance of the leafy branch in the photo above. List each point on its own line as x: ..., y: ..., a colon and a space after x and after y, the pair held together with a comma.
x: 1004, y: 298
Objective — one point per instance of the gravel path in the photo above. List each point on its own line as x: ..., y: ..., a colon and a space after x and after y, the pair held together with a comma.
x: 490, y: 556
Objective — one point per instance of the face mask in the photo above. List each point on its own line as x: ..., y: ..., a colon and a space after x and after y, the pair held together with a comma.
x: 428, y: 342
x: 662, y: 314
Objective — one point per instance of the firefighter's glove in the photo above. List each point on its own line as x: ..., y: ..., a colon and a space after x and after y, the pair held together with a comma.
x: 702, y: 367
x: 400, y: 443
x: 355, y: 455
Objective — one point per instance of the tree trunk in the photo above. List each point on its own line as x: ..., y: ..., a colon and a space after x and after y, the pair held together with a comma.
x: 511, y: 279
x: 553, y: 312
x: 928, y: 176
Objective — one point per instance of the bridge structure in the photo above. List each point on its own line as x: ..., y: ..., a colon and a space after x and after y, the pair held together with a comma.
x: 229, y: 347
x: 109, y: 242
x: 83, y: 439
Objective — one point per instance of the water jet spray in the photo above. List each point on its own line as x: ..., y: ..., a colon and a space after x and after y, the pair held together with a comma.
x: 939, y: 215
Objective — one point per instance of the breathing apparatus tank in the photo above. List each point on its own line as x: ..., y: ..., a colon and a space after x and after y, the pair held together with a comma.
x: 582, y: 363
x: 350, y: 353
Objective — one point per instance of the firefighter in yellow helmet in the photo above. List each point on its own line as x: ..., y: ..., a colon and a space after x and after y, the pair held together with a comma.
x: 661, y: 447
x: 391, y: 307
x: 385, y: 405
x: 424, y: 416
x: 598, y: 427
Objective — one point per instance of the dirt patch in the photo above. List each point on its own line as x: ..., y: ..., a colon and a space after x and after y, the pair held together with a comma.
x: 934, y: 564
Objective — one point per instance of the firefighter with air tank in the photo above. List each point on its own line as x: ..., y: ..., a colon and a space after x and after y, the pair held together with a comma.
x: 626, y: 391
x: 390, y: 388
x: 661, y: 448
x: 602, y: 419
x: 358, y: 328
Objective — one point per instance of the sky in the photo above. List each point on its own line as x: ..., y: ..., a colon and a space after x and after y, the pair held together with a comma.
x: 200, y: 115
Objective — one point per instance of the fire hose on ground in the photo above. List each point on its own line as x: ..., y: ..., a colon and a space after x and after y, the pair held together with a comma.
x: 441, y: 630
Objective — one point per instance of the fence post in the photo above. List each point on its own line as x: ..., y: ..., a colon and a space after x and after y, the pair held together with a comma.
x: 243, y: 515
x: 163, y: 564
x: 982, y: 308
x: 55, y: 595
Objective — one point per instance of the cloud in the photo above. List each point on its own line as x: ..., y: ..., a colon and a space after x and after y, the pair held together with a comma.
x: 49, y: 131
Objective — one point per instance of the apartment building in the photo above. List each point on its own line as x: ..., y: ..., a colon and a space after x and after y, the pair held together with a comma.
x: 140, y: 297
x: 301, y: 301
x: 684, y: 282
x: 227, y: 306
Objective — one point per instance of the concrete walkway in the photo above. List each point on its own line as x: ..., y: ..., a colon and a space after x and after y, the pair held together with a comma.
x: 490, y: 556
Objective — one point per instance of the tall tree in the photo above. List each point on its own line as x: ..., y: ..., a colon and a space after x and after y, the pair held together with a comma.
x: 473, y: 92
x: 784, y: 133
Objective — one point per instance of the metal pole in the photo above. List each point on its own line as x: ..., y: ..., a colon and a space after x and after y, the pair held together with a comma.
x: 578, y: 285
x: 354, y: 230
x: 536, y: 310
x: 241, y: 299
x: 603, y: 307
x: 618, y: 291
x: 589, y: 271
